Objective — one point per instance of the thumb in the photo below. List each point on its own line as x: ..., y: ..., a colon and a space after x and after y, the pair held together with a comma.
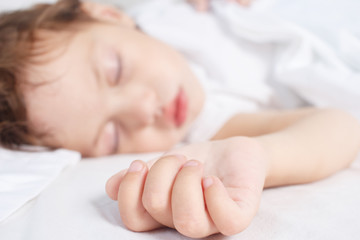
x: 112, y: 185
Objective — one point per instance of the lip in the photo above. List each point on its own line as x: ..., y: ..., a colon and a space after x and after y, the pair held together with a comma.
x: 176, y: 112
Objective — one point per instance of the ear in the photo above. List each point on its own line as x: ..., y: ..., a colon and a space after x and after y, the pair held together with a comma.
x: 106, y: 13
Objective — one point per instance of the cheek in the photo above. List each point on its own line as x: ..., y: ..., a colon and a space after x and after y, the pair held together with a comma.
x: 106, y: 142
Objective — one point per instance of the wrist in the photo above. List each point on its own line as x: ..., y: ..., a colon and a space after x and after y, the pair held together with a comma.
x: 266, y: 143
x: 256, y: 151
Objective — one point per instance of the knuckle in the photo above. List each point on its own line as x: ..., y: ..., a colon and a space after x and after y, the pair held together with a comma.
x: 230, y: 226
x: 171, y: 158
x: 133, y: 224
x: 191, y: 227
x: 232, y: 229
x: 165, y: 160
x: 154, y: 204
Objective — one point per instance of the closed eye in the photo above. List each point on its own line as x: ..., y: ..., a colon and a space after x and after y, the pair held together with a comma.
x: 116, y: 140
x: 118, y: 70
x: 112, y: 67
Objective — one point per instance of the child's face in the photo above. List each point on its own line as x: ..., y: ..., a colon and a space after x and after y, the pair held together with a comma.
x: 112, y: 89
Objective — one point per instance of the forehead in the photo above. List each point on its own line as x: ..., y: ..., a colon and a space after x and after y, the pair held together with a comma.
x: 61, y: 89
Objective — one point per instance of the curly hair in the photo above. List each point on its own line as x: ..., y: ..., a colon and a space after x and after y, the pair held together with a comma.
x: 17, y: 39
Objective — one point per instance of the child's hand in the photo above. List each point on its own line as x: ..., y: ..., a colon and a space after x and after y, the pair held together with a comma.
x: 174, y: 192
x: 203, y: 5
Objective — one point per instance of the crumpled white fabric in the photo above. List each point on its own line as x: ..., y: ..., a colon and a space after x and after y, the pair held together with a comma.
x: 303, y: 62
x: 23, y: 175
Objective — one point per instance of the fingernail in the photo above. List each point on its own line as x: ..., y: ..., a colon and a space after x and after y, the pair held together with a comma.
x: 191, y: 163
x: 207, y: 182
x: 135, y: 166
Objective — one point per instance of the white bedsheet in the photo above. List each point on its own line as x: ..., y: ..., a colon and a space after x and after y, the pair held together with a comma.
x: 24, y: 175
x: 75, y: 207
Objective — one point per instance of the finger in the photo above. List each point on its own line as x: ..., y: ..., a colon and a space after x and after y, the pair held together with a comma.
x: 112, y: 185
x: 189, y: 212
x: 229, y: 216
x: 200, y: 5
x: 158, y: 186
x: 132, y: 211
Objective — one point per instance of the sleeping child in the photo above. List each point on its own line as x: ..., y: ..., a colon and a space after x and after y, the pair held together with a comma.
x: 88, y: 77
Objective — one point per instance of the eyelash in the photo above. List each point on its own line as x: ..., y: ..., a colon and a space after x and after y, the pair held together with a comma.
x: 116, y: 82
x: 116, y: 140
x: 118, y: 70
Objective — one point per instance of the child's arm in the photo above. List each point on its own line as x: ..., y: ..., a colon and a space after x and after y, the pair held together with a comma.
x: 312, y: 148
x: 304, y: 145
x: 293, y: 147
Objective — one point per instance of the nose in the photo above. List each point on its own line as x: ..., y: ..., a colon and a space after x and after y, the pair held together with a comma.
x: 139, y: 108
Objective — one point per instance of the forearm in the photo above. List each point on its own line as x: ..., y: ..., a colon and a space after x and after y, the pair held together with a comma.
x: 311, y: 148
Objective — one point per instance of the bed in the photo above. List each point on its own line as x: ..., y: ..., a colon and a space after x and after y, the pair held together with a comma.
x: 74, y: 204
x: 75, y: 207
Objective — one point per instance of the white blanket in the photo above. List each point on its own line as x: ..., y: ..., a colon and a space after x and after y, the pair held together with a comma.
x: 301, y: 61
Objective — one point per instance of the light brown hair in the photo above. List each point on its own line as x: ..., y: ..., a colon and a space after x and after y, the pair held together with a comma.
x: 17, y: 40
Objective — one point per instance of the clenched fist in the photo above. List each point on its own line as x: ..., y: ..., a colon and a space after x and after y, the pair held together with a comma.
x: 220, y: 191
